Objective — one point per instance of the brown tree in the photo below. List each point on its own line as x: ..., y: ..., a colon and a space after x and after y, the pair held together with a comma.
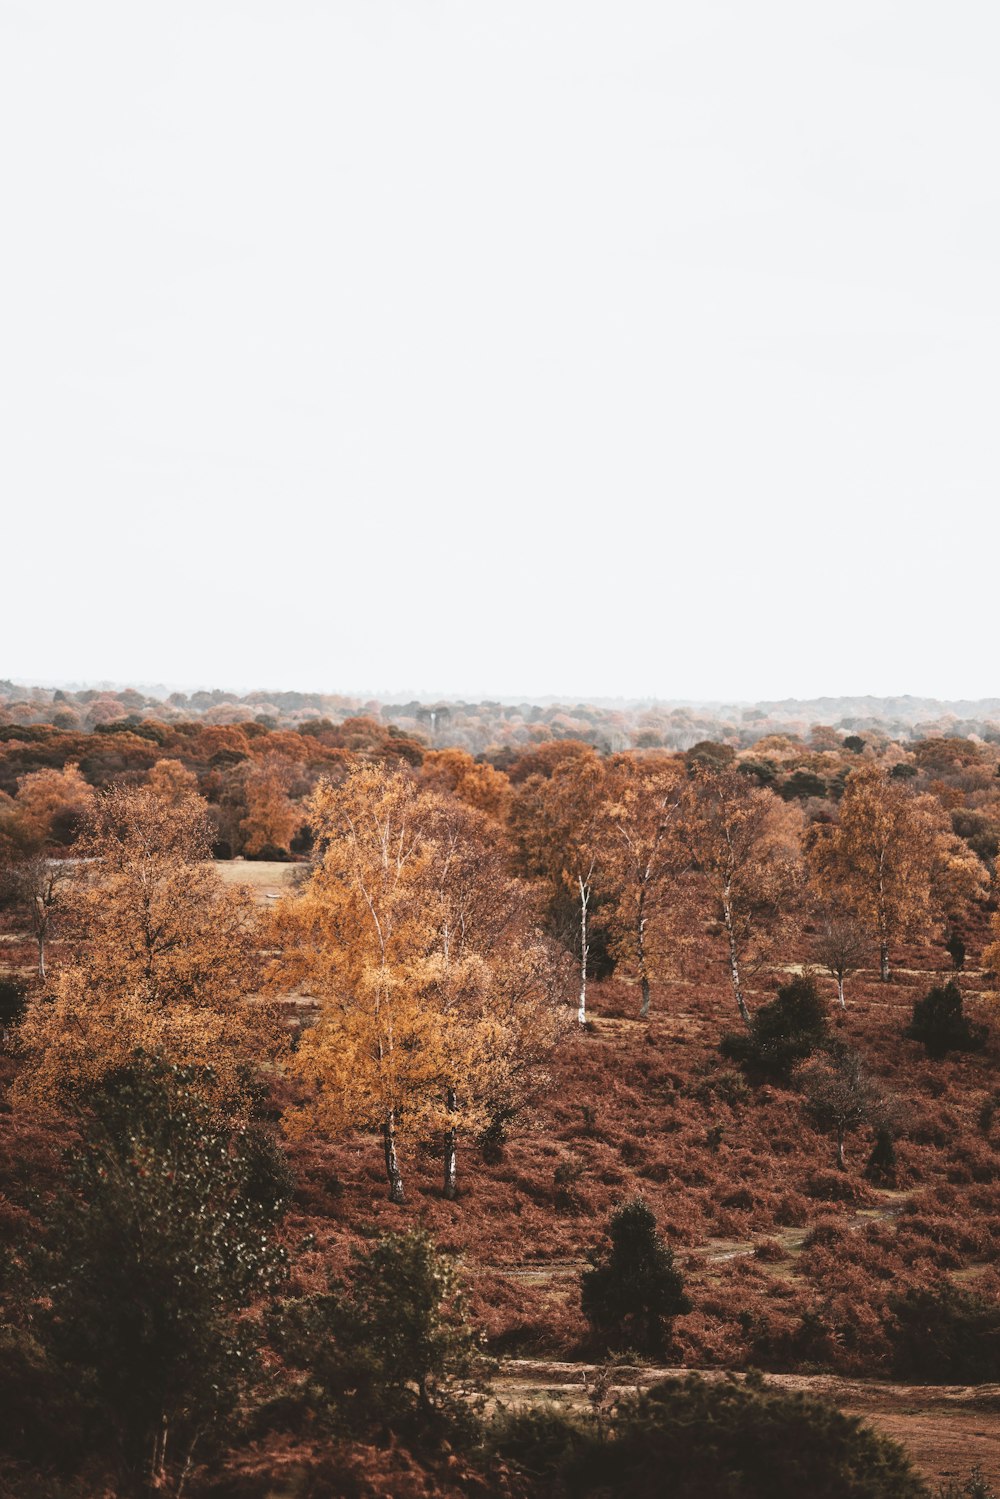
x: 556, y: 826
x: 455, y: 772
x: 271, y: 817
x: 166, y: 959
x: 644, y: 858
x: 497, y: 987
x: 893, y: 861
x: 435, y: 990
x: 841, y: 1096
x: 743, y: 847
x: 32, y: 883
x: 841, y: 947
x: 172, y: 781
x: 52, y: 805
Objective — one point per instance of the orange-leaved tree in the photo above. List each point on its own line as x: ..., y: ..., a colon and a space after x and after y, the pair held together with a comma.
x: 52, y: 805
x: 497, y: 986
x: 360, y: 939
x: 742, y: 844
x: 271, y: 816
x: 166, y: 959
x: 455, y: 772
x: 893, y: 861
x: 643, y: 861
x: 413, y: 938
x: 559, y: 835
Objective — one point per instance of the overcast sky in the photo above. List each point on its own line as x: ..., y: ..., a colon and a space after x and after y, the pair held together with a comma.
x: 501, y: 346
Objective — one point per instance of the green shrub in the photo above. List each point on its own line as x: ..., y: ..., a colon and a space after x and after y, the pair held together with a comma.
x: 881, y: 1165
x: 389, y: 1346
x: 944, y: 1335
x: 13, y: 1004
x: 701, y: 1439
x: 633, y: 1290
x: 974, y: 1487
x: 940, y: 1023
x: 783, y: 1033
x: 955, y: 948
x: 145, y: 1264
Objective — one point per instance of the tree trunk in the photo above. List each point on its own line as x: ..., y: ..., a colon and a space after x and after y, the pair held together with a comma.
x: 450, y: 1152
x: 840, y: 992
x: 734, y: 969
x: 841, y: 1159
x: 640, y: 944
x: 40, y: 917
x: 883, y: 954
x: 393, y: 1174
x: 584, y: 949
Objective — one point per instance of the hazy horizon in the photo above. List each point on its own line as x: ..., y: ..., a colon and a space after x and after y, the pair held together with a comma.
x: 406, y: 694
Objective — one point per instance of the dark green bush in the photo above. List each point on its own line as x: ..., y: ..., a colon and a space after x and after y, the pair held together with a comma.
x: 783, y: 1033
x: 269, y: 853
x: 633, y: 1290
x: 701, y: 1439
x: 955, y: 948
x: 881, y: 1165
x: 973, y: 1487
x: 940, y: 1023
x: 145, y: 1264
x: 801, y: 784
x: 389, y: 1346
x: 944, y: 1335
x: 13, y: 1003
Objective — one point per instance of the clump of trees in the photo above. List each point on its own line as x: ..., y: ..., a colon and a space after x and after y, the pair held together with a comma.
x: 449, y: 911
x: 893, y: 862
x: 165, y: 955
x: 436, y: 988
x: 743, y: 845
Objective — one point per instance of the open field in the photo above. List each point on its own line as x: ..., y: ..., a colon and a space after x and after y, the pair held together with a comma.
x: 267, y: 879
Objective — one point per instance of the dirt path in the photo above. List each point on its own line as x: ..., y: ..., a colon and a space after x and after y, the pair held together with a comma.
x: 947, y: 1429
x: 713, y: 1251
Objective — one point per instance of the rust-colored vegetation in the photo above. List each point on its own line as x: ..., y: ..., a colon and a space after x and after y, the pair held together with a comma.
x: 493, y: 999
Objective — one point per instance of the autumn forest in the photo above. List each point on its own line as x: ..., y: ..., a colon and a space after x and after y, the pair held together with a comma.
x: 432, y: 1100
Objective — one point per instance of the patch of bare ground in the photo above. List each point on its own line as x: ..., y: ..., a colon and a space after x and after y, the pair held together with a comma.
x: 266, y: 880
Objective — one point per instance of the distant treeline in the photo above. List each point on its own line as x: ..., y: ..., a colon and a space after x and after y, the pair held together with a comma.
x: 256, y: 775
x: 492, y: 725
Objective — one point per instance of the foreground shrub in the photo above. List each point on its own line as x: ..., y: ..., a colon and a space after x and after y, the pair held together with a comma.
x: 701, y: 1439
x: 146, y: 1261
x: 783, y: 1033
x: 389, y: 1347
x: 940, y: 1023
x: 633, y: 1290
x: 944, y: 1335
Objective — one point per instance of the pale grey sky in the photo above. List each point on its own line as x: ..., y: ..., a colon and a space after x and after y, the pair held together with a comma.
x: 501, y: 346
